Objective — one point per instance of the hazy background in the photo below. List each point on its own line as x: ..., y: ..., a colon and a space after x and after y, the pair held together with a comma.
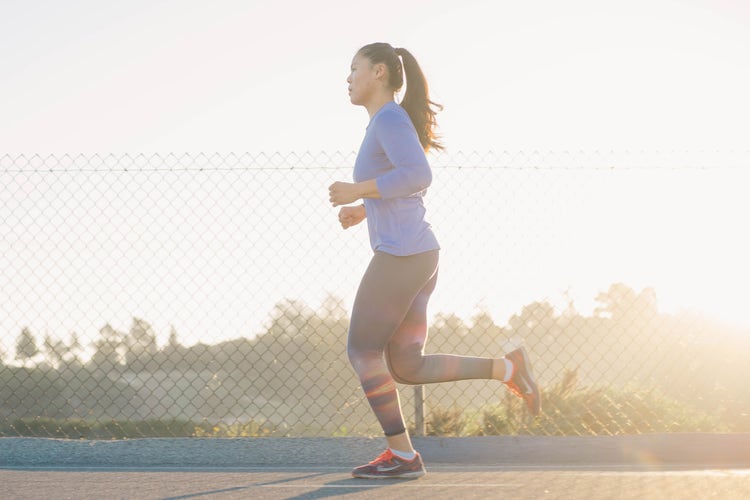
x: 160, y: 77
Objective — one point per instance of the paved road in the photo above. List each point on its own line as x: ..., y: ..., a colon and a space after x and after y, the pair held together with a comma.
x: 670, y: 466
x: 444, y: 481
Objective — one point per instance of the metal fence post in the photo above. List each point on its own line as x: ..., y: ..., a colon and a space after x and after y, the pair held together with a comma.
x: 419, y: 428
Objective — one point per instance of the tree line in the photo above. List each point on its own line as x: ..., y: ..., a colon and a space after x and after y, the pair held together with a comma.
x: 295, y: 376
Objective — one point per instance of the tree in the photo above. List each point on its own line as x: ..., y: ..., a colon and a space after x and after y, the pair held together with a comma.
x: 620, y: 302
x: 74, y: 350
x: 54, y: 350
x: 289, y: 318
x: 482, y: 319
x: 140, y: 345
x: 173, y: 342
x: 535, y: 322
x: 448, y: 332
x: 108, y: 349
x: 333, y: 307
x: 451, y: 324
x: 26, y: 347
x: 484, y: 335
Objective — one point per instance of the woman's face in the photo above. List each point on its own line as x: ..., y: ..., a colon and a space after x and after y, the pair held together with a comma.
x: 363, y: 80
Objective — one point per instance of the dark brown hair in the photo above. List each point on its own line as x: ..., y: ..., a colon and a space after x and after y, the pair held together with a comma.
x: 416, y: 100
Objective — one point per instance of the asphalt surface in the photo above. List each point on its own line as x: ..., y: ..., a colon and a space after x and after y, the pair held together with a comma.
x: 651, y: 466
x: 444, y: 481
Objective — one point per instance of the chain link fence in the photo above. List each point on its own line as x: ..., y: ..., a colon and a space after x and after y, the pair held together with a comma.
x: 208, y: 295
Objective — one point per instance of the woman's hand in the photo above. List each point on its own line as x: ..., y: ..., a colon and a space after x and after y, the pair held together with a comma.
x: 343, y: 193
x: 351, y: 216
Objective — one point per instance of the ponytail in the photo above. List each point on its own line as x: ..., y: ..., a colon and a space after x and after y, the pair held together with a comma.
x: 416, y: 100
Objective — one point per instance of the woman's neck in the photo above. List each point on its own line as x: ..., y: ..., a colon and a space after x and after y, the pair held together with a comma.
x: 377, y: 103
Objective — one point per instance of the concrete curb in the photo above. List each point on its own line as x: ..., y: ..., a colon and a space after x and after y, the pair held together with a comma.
x: 680, y: 450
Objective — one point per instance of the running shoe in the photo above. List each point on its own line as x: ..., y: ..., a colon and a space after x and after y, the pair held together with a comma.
x: 388, y: 465
x: 522, y: 382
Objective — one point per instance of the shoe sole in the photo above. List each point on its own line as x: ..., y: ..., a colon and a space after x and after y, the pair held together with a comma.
x: 405, y: 475
x: 527, y: 368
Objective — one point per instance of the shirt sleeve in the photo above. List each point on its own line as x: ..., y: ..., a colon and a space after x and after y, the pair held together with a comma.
x: 411, y: 173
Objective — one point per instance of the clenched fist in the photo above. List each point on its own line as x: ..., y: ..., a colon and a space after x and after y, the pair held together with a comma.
x: 351, y: 216
x: 343, y: 193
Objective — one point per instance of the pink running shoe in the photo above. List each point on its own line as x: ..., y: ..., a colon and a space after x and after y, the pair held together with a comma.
x: 522, y: 382
x: 388, y: 465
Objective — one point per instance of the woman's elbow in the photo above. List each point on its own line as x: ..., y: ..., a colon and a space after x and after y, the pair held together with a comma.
x: 424, y: 180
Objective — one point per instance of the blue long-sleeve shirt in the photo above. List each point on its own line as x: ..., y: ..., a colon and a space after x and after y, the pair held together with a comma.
x: 392, y: 154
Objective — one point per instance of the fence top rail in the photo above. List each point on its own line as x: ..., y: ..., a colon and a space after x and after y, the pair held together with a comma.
x: 322, y: 160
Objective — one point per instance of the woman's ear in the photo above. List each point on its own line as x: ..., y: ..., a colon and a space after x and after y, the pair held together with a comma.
x: 380, y: 71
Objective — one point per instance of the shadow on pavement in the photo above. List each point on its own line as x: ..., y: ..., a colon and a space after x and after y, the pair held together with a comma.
x: 240, y: 488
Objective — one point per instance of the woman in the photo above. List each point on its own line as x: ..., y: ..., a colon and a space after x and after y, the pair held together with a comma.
x: 388, y: 327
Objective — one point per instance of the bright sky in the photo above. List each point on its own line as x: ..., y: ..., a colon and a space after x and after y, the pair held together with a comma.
x: 234, y: 76
x: 142, y: 76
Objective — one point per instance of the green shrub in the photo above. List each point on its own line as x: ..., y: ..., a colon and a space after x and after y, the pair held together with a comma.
x: 445, y: 422
x: 495, y: 421
x: 609, y: 411
x: 245, y: 429
x: 84, y: 429
x: 568, y: 411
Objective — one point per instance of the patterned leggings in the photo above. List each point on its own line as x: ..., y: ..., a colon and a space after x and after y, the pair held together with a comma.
x: 388, y: 331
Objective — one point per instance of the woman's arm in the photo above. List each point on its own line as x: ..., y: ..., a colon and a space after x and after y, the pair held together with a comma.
x: 411, y: 173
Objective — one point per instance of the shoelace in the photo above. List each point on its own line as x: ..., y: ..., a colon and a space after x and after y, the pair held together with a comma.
x: 383, y: 457
x: 512, y: 387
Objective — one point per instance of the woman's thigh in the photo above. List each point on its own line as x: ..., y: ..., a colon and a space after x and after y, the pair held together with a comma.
x: 386, y: 295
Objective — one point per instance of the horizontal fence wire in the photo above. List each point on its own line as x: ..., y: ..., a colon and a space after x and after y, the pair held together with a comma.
x: 209, y: 294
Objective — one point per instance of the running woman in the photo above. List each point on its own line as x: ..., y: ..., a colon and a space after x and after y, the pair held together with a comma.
x: 388, y: 327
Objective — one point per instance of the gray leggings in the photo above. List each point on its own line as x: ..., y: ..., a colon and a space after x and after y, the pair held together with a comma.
x: 388, y: 331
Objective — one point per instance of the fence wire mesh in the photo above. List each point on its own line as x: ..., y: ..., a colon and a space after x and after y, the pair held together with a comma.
x: 208, y: 295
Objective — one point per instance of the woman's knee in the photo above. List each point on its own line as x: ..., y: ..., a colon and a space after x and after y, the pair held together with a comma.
x: 364, y: 360
x: 355, y: 355
x: 405, y: 363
